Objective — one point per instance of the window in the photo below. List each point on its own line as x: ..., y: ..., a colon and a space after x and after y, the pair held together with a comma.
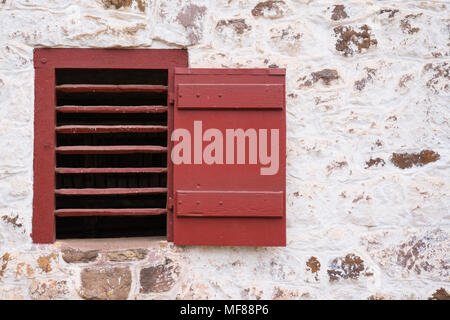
x: 134, y: 143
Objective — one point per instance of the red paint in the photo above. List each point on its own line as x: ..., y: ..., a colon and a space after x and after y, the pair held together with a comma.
x: 45, y: 63
x: 110, y: 88
x: 112, y: 109
x: 44, y: 157
x: 230, y: 96
x: 246, y: 217
x: 229, y: 204
x: 108, y: 212
x: 108, y: 129
x: 107, y: 191
x: 109, y: 149
x: 110, y: 170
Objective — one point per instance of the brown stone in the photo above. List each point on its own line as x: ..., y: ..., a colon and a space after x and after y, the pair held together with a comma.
x: 391, y: 12
x: 239, y: 26
x: 127, y: 255
x: 348, y: 37
x: 76, y: 256
x: 160, y: 278
x: 407, y: 160
x: 339, y: 13
x: 274, y: 6
x: 48, y: 289
x: 313, y: 265
x: 4, y: 263
x: 405, y: 24
x: 440, y: 294
x: 190, y: 17
x: 105, y: 284
x: 326, y: 75
x: 12, y: 221
x: 124, y: 3
x: 375, y: 162
x: 349, y: 267
x: 44, y: 262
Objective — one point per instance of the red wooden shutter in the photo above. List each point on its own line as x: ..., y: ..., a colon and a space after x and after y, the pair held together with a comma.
x: 230, y: 204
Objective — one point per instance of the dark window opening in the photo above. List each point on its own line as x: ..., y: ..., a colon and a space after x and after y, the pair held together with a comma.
x: 111, y: 153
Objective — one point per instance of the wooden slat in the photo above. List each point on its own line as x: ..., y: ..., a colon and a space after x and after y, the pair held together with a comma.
x: 110, y: 88
x: 109, y: 212
x: 230, y: 96
x: 108, y: 129
x: 110, y: 170
x: 109, y: 191
x: 266, y: 204
x: 112, y: 109
x: 109, y: 149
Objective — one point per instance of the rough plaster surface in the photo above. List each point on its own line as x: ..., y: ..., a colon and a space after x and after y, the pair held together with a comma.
x: 368, y: 150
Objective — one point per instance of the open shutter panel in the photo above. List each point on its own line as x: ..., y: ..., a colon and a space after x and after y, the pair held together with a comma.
x: 230, y: 204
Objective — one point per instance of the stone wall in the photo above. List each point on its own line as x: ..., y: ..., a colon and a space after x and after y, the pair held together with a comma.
x: 368, y: 192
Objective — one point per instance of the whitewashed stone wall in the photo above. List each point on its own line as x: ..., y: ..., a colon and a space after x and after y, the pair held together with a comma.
x: 368, y: 158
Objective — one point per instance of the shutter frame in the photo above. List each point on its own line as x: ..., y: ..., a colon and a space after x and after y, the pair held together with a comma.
x: 46, y: 61
x: 229, y: 204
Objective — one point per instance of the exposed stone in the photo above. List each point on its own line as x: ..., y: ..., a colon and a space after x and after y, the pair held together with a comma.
x: 125, y: 3
x: 391, y: 12
x: 44, y: 262
x: 4, y: 263
x: 361, y: 84
x: 12, y: 221
x: 70, y: 255
x: 252, y: 293
x: 286, y: 38
x: 239, y: 26
x: 349, y: 267
x: 378, y: 296
x: 440, y: 74
x: 313, y: 265
x: 24, y: 270
x: 190, y: 17
x: 127, y: 255
x: 375, y: 162
x: 336, y: 165
x: 405, y: 24
x: 339, y: 13
x: 270, y: 9
x: 160, y: 278
x: 48, y: 289
x: 419, y: 253
x: 105, y: 284
x: 404, y: 79
x: 440, y: 294
x: 407, y: 160
x: 351, y: 40
x: 326, y: 75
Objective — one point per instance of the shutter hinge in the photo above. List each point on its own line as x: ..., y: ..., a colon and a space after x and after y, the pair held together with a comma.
x: 170, y: 203
x: 171, y: 99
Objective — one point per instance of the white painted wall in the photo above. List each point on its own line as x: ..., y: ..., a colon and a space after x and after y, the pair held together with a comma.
x: 388, y: 93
